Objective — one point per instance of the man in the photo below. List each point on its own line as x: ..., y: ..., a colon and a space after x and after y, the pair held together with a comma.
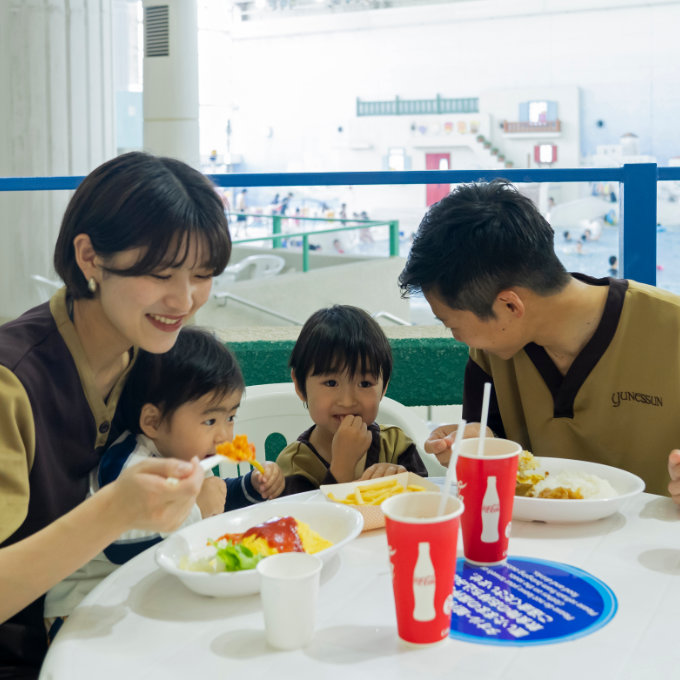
x: 582, y: 368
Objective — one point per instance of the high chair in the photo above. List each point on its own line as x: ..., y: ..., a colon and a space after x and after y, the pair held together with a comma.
x: 272, y: 416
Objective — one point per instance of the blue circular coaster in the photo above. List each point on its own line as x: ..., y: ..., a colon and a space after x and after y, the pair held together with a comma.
x: 527, y: 601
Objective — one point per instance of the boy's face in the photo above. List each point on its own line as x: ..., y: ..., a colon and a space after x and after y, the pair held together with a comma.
x: 332, y: 396
x: 197, y: 427
x: 501, y: 335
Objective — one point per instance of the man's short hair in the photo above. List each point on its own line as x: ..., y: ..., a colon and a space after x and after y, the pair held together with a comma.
x: 478, y: 241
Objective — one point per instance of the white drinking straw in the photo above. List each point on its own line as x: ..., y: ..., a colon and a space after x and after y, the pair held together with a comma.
x: 485, y: 417
x: 451, y: 470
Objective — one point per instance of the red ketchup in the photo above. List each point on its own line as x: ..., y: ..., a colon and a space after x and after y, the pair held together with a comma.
x: 280, y: 533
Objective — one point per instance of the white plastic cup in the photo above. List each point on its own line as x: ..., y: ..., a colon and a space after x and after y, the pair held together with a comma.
x: 289, y: 585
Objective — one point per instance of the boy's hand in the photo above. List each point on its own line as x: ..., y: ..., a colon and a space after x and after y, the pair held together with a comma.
x: 350, y: 442
x: 212, y: 497
x: 440, y: 440
x: 270, y: 484
x: 382, y: 470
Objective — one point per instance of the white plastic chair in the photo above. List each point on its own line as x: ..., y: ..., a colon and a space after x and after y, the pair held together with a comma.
x: 251, y: 267
x: 273, y: 416
x: 46, y: 287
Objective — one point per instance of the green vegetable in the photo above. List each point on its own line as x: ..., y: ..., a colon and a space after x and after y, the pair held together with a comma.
x: 236, y: 557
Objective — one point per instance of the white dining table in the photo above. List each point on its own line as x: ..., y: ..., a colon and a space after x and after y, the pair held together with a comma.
x: 143, y: 623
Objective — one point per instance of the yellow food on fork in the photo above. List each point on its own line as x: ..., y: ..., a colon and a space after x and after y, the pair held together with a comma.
x: 375, y: 494
x: 239, y: 450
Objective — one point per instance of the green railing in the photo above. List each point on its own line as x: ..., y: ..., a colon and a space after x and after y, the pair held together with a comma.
x: 278, y: 235
x: 411, y: 107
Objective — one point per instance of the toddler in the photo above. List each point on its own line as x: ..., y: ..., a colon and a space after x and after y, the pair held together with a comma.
x: 180, y: 404
x: 341, y: 366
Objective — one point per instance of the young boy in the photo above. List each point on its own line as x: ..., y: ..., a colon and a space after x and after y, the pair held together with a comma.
x: 341, y: 366
x: 179, y: 404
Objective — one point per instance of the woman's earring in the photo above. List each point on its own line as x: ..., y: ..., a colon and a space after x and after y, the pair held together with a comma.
x: 92, y: 285
x: 304, y: 403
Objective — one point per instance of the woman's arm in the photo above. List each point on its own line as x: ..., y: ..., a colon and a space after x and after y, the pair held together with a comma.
x: 141, y: 498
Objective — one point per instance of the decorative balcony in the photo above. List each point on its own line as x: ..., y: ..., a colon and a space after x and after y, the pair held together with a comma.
x: 551, y: 128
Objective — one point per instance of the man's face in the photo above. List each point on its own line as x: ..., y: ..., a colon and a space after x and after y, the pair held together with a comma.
x: 501, y: 335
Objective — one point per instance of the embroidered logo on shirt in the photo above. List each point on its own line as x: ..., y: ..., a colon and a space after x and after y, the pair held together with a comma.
x: 639, y: 397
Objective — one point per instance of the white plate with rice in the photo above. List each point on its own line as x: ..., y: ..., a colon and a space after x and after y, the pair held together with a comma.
x: 605, y: 490
x: 336, y: 523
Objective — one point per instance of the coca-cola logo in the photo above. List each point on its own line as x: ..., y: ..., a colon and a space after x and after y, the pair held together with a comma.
x: 495, y: 507
x: 424, y: 580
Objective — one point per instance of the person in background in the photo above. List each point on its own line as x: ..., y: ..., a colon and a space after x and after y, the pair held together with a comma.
x: 562, y: 351
x: 139, y: 244
x: 180, y: 404
x: 613, y: 266
x: 341, y: 366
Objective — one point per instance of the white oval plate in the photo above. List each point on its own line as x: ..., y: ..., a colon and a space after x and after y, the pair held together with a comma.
x: 337, y: 523
x: 580, y: 510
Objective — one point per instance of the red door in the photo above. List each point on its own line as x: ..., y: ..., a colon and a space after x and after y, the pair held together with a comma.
x: 437, y: 161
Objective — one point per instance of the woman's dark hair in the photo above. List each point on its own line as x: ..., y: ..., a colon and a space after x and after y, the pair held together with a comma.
x: 140, y: 200
x: 197, y: 365
x: 341, y: 338
x: 479, y: 240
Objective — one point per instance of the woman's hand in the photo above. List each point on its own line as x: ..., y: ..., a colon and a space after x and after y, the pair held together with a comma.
x: 440, y: 440
x: 350, y: 442
x: 150, y: 501
x: 270, y: 485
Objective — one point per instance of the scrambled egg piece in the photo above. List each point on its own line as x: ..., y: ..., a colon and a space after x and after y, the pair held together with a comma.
x: 312, y: 542
x: 526, y: 477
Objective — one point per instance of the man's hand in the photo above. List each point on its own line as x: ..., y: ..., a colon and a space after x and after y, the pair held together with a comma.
x: 270, y: 484
x: 382, y: 470
x: 440, y: 440
x: 212, y: 497
x: 350, y: 442
x: 674, y: 474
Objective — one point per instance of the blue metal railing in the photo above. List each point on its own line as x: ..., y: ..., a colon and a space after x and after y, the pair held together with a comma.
x: 638, y: 195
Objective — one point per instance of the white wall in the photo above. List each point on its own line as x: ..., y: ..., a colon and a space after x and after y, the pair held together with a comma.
x: 300, y: 78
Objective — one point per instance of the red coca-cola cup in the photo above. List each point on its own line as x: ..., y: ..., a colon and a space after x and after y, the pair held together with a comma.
x: 486, y: 485
x: 422, y: 546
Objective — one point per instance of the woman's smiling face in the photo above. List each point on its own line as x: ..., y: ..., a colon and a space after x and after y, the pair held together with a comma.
x: 149, y: 310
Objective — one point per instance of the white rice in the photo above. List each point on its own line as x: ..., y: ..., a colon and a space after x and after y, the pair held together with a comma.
x: 590, y: 486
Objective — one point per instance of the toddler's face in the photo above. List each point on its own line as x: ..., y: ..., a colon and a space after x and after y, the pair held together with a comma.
x: 332, y: 396
x: 197, y: 427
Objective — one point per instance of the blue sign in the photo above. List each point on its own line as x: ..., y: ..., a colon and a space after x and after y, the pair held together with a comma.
x: 527, y: 602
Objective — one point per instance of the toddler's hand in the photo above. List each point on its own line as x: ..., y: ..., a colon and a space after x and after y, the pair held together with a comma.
x: 350, y: 442
x: 270, y: 484
x: 212, y: 497
x: 382, y: 470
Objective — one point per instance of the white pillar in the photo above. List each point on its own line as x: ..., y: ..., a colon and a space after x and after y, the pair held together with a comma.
x: 171, y: 79
x: 56, y: 117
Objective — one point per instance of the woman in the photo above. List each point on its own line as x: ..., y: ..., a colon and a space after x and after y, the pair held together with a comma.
x: 140, y: 241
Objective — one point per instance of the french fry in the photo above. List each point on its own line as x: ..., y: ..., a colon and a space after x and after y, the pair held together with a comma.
x: 375, y: 494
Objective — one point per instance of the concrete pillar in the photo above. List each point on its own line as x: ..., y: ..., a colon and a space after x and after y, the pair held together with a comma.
x: 56, y: 117
x: 171, y: 79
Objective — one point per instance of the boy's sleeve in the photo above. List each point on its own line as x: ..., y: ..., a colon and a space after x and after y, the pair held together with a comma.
x: 303, y: 469
x: 241, y: 492
x: 399, y: 449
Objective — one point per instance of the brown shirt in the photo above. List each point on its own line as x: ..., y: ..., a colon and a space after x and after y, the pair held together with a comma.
x: 53, y: 426
x: 620, y: 400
